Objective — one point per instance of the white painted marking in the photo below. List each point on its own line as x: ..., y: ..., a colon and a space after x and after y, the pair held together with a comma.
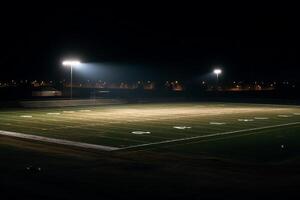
x: 85, y: 110
x: 217, y: 123
x: 245, y: 120
x: 261, y: 118
x: 296, y: 113
x: 140, y: 132
x: 26, y: 116
x: 68, y: 111
x: 53, y: 113
x: 57, y: 141
x: 182, y: 127
x: 284, y: 116
x: 210, y: 135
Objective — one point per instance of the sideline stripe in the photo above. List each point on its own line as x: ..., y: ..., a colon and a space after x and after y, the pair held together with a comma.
x: 58, y: 141
x: 207, y: 136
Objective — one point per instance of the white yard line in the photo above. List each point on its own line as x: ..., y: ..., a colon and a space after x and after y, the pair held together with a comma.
x: 182, y: 127
x: 140, y: 132
x: 210, y: 135
x: 66, y: 111
x: 284, y: 115
x: 245, y: 120
x: 261, y: 118
x: 58, y: 141
x: 217, y: 123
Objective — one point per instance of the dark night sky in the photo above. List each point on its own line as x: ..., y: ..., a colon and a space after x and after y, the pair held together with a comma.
x: 180, y: 43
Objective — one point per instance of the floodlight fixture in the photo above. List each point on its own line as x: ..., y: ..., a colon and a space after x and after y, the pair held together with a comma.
x: 218, y: 71
x: 71, y: 63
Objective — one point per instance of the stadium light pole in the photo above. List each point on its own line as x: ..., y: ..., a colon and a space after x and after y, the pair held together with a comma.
x: 217, y: 72
x: 71, y: 64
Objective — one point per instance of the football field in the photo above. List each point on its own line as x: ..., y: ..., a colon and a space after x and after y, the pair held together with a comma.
x: 142, y: 126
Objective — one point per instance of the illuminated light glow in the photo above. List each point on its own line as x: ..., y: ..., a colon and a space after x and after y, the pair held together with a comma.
x: 245, y: 120
x: 217, y: 123
x: 53, y: 113
x: 141, y: 132
x: 261, y: 118
x: 217, y: 71
x: 182, y: 127
x: 26, y: 116
x: 71, y: 63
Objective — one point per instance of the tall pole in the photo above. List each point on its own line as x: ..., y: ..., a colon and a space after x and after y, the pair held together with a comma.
x: 217, y: 81
x: 71, y: 64
x: 217, y: 72
x: 71, y: 81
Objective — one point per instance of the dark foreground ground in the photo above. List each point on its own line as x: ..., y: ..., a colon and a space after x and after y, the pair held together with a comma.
x: 74, y: 174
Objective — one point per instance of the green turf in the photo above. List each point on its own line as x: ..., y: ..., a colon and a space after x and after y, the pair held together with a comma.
x: 112, y: 125
x: 240, y: 164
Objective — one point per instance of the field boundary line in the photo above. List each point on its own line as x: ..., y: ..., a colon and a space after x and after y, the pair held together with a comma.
x: 57, y: 141
x: 207, y: 136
